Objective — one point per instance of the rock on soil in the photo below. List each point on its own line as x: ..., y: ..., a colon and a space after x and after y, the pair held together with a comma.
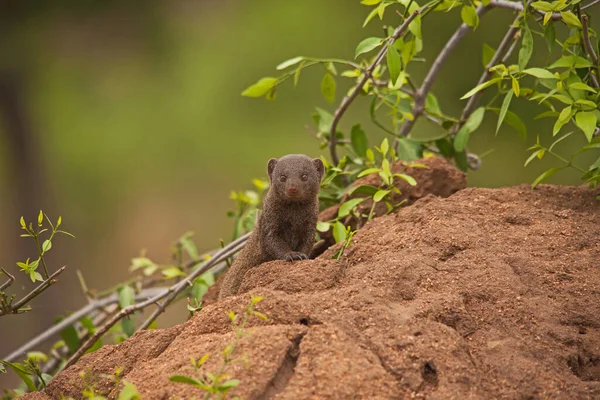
x: 486, y: 294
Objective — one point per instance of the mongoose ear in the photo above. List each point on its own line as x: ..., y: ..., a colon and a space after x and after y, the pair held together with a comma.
x: 319, y: 165
x: 271, y: 166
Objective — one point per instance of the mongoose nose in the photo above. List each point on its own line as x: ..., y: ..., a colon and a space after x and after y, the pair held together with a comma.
x: 292, y: 190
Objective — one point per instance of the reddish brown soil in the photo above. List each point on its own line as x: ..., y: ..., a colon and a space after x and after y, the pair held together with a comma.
x: 486, y: 294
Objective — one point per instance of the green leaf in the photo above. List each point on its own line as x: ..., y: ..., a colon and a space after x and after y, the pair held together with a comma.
x: 550, y: 36
x: 504, y: 109
x: 547, y: 174
x: 228, y: 385
x: 328, y: 87
x: 189, y: 246
x: 377, y: 197
x: 409, y: 179
x: 393, y: 63
x: 47, y: 245
x: 185, y: 379
x: 358, y: 139
x: 323, y: 226
x: 40, y: 218
x: 515, y: 86
x: 469, y: 16
x: 582, y: 86
x: 367, y: 45
x: 371, y: 15
x: 370, y: 2
x: 339, y: 232
x: 22, y: 222
x: 533, y: 155
x: 542, y: 6
x: 172, y: 272
x: 563, y: 118
x: 539, y: 73
x: 560, y: 139
x: 384, y: 147
x: 35, y: 276
x: 461, y: 161
x: 23, y: 374
x: 59, y: 221
x: 432, y: 105
x: 472, y: 123
x: 409, y: 150
x: 363, y: 189
x: 260, y: 88
x: 71, y: 339
x: 586, y: 121
x: 129, y: 392
x: 570, y: 19
x: 488, y: 54
x: 368, y: 171
x: 480, y: 87
x: 526, y: 47
x: 128, y: 326
x: 347, y: 206
x: 126, y: 296
x: 289, y: 63
x: 571, y: 62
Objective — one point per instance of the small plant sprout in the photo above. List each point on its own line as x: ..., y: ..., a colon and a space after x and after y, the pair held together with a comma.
x: 216, y: 385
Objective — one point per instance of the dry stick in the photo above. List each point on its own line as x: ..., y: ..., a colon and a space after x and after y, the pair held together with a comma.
x: 198, y: 272
x: 71, y: 319
x: 366, y: 76
x: 10, y: 280
x: 588, y: 46
x: 172, y: 292
x: 503, y: 49
x: 421, y: 93
x: 35, y: 292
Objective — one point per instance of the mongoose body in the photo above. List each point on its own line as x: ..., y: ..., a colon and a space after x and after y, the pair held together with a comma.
x: 285, y: 230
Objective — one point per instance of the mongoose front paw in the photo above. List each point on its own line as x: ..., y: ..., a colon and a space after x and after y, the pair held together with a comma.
x: 294, y: 255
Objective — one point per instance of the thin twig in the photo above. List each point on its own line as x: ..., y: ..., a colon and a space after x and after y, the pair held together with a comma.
x: 366, y: 76
x: 501, y: 54
x: 14, y: 309
x: 593, y: 3
x: 421, y: 93
x: 10, y: 280
x: 73, y: 318
x: 186, y: 282
x: 171, y: 292
x: 588, y: 45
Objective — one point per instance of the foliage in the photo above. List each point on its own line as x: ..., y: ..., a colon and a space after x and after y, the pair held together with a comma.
x: 567, y: 86
x: 39, y: 368
x: 217, y: 385
x: 247, y: 203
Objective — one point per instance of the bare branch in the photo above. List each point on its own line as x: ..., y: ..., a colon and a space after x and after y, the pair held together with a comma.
x: 73, y: 318
x: 366, y: 76
x: 421, y: 93
x: 501, y: 54
x: 10, y: 280
x: 593, y: 3
x: 588, y: 46
x: 171, y: 292
x: 188, y: 281
x: 14, y: 309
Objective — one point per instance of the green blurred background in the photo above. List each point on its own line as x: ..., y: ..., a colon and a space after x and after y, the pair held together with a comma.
x: 126, y: 119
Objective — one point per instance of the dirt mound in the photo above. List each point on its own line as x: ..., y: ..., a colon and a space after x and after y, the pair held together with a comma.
x: 486, y: 294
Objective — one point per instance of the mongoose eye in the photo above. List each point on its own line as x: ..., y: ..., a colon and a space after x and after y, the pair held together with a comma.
x: 304, y: 177
x: 282, y: 178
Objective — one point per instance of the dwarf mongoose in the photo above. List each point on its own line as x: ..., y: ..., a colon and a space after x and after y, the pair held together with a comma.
x: 286, y: 227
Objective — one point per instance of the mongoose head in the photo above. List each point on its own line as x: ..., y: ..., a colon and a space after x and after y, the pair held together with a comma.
x: 295, y: 177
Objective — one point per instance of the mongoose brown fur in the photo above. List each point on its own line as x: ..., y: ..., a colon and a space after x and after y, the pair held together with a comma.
x: 285, y: 230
